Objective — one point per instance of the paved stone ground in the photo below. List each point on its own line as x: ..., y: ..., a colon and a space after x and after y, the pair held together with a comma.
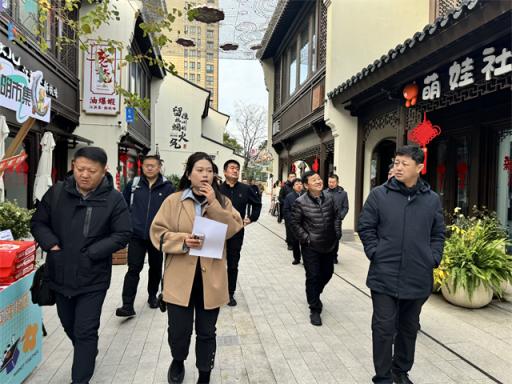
x: 267, y: 338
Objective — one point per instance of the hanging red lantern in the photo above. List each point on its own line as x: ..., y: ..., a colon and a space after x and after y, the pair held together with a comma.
x: 462, y: 169
x: 423, y: 134
x: 292, y: 169
x: 316, y: 165
x: 410, y: 93
x: 139, y: 166
x: 123, y: 157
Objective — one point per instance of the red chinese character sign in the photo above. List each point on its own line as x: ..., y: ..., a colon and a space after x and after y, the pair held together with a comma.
x: 423, y: 134
x: 12, y: 162
x: 101, y: 75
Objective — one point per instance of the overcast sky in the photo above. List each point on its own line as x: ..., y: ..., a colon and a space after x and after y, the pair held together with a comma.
x: 240, y: 80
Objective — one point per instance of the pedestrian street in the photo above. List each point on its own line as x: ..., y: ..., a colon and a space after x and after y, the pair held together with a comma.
x: 268, y: 338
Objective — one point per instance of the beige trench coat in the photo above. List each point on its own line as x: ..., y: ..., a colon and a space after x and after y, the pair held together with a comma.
x: 175, y: 221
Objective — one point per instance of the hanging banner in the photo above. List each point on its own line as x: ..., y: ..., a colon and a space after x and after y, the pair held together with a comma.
x: 21, y: 336
x: 12, y: 162
x: 23, y: 94
x: 101, y: 75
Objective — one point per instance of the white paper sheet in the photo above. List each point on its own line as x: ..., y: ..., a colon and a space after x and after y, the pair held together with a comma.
x: 214, y: 237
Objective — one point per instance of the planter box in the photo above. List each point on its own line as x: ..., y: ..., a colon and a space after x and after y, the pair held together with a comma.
x: 120, y: 257
x: 482, y: 296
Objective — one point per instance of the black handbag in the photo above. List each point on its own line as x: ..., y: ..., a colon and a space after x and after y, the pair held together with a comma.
x: 161, y: 303
x: 42, y: 294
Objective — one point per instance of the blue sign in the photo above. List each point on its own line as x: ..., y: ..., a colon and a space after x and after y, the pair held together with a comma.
x: 130, y: 115
x: 10, y: 31
x: 21, y: 335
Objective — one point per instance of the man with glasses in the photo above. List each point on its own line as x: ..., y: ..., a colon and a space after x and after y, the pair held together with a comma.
x: 144, y: 196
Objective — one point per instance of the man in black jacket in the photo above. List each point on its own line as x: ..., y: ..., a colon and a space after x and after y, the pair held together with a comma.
x: 402, y: 230
x: 248, y: 204
x: 144, y: 195
x: 340, y: 197
x: 287, y: 211
x: 317, y: 225
x: 285, y: 190
x: 80, y: 223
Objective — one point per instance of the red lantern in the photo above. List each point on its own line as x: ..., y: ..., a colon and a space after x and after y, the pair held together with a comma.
x: 462, y: 169
x: 315, y: 165
x: 423, y: 134
x: 118, y: 181
x: 139, y: 166
x: 410, y: 93
x: 292, y: 169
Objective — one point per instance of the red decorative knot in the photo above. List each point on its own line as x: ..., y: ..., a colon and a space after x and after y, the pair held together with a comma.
x: 507, y: 164
x: 424, y: 132
x: 462, y: 170
x: 292, y: 170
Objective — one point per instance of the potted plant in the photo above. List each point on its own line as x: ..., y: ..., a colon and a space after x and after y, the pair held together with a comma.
x: 475, y: 262
x: 16, y: 219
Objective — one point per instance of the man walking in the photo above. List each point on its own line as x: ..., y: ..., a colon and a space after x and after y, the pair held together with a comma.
x: 144, y: 195
x: 79, y: 223
x: 402, y: 230
x: 317, y: 225
x: 286, y: 189
x: 248, y: 204
x: 340, y: 198
x: 287, y: 211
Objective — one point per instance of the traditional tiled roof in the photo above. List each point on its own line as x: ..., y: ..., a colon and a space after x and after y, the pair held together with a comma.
x: 432, y: 29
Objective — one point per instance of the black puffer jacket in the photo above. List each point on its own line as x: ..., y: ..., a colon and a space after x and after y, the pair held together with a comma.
x: 316, y: 222
x: 87, y: 232
x: 402, y: 231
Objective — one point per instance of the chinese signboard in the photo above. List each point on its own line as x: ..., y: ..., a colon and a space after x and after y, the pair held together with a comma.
x: 24, y: 94
x: 101, y: 75
x: 179, y: 122
x: 21, y: 336
x: 461, y: 73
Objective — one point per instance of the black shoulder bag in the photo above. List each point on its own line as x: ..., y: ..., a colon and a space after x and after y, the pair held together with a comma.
x: 40, y: 290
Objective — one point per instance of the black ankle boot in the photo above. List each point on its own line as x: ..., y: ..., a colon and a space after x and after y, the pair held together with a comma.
x: 204, y: 377
x: 176, y: 372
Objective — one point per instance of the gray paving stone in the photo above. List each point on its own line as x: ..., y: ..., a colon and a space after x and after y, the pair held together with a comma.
x: 267, y: 338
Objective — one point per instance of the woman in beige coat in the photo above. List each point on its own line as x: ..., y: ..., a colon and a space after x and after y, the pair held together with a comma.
x: 191, y: 283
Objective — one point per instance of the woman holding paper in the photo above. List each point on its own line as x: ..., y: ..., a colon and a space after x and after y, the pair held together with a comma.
x: 192, y: 283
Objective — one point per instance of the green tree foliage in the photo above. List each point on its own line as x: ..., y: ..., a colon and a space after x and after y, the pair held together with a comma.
x: 231, y: 142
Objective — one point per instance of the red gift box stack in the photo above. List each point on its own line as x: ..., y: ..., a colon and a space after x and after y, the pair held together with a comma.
x: 17, y: 259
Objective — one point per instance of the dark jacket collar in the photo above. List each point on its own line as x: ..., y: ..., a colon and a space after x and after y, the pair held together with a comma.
x: 394, y: 185
x: 105, y: 187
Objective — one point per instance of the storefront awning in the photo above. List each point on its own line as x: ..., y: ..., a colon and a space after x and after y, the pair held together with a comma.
x: 422, y: 47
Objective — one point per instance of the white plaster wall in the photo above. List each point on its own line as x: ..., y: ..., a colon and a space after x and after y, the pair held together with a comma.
x: 192, y: 99
x: 214, y: 125
x: 358, y: 32
x: 373, y: 140
x: 106, y: 131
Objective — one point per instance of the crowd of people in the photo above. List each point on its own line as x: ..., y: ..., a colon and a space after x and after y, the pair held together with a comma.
x: 81, y: 221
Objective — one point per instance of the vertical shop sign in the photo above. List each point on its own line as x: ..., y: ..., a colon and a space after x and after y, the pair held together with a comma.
x: 178, y: 135
x: 102, y: 74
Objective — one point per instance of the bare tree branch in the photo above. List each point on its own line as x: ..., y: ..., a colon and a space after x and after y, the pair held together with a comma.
x: 251, y: 123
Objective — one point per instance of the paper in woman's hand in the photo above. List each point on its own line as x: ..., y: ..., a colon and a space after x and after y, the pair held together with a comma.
x: 214, y: 237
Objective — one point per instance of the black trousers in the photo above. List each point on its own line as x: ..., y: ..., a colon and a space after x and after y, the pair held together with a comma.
x: 294, y: 242
x: 394, y: 321
x: 233, y: 248
x: 289, y: 233
x: 80, y: 317
x: 319, y: 270
x: 181, y: 320
x: 137, y: 249
x: 335, y: 256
